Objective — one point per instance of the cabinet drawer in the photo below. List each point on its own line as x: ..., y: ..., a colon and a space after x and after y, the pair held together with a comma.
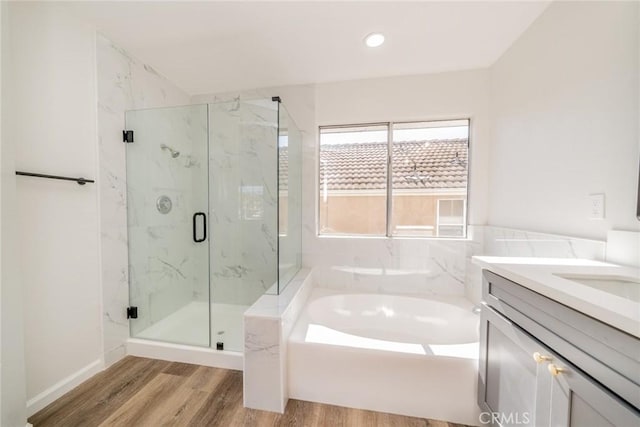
x: 610, y: 356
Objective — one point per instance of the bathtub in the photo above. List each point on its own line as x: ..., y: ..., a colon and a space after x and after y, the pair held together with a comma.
x: 398, y: 354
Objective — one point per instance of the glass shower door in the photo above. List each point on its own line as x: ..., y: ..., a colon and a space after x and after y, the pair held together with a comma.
x: 244, y: 216
x: 167, y: 214
x: 289, y: 198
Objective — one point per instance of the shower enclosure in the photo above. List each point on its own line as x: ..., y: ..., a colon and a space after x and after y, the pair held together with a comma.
x: 213, y: 205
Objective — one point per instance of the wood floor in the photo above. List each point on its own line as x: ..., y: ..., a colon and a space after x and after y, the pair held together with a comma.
x: 142, y: 392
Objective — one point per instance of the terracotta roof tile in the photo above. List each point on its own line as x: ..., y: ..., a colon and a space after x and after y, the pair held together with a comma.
x: 433, y: 164
x: 416, y: 164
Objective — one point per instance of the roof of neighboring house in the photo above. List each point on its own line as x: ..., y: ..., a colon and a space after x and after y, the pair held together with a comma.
x: 434, y: 164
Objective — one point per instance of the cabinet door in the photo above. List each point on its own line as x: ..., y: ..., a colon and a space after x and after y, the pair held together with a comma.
x: 579, y: 401
x: 513, y: 388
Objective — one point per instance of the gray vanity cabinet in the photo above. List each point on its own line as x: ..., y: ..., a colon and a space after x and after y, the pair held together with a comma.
x: 528, y: 373
x: 513, y: 384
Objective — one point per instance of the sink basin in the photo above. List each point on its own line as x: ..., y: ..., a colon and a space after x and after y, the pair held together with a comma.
x: 623, y: 286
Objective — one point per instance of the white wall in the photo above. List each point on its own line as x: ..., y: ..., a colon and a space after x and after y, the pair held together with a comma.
x: 565, y: 112
x: 73, y: 323
x: 12, y: 367
x: 53, y: 123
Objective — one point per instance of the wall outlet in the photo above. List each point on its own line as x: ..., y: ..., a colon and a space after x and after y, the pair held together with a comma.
x: 596, y: 206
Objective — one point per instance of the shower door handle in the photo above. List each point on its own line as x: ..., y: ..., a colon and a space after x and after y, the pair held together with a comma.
x: 204, y: 227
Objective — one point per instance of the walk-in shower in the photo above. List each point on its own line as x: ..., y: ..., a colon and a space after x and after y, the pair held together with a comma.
x: 213, y: 205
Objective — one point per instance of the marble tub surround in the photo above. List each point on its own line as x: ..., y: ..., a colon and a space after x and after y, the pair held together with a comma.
x: 472, y: 273
x: 433, y: 266
x: 267, y: 326
x: 124, y: 84
x: 618, y: 306
x: 405, y: 266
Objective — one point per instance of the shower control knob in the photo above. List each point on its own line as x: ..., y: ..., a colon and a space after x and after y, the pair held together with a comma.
x: 164, y: 204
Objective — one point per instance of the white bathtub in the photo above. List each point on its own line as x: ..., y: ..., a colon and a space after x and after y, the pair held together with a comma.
x: 404, y: 355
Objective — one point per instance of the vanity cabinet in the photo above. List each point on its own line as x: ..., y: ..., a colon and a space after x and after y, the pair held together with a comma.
x: 544, y: 364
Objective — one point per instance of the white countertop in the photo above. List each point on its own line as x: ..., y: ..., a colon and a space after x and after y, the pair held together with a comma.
x: 617, y: 306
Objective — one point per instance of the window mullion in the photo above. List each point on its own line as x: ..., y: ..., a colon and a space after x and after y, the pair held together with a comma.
x: 389, y: 178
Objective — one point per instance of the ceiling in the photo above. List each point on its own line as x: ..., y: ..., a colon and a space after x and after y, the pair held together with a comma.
x: 208, y: 47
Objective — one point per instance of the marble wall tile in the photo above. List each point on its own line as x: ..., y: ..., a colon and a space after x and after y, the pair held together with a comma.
x: 243, y: 199
x: 299, y: 101
x: 499, y: 241
x: 428, y: 267
x: 124, y: 84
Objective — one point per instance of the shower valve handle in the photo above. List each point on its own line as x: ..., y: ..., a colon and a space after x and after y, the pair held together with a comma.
x: 204, y: 227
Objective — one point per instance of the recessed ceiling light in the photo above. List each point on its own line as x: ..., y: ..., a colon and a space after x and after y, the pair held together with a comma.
x: 374, y: 39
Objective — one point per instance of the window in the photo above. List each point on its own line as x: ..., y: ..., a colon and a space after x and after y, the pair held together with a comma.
x: 394, y: 179
x: 353, y: 180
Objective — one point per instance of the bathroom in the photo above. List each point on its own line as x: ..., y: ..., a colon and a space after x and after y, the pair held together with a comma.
x: 216, y: 268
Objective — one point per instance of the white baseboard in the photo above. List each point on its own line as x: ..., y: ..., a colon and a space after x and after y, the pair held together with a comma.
x: 114, y: 355
x: 63, y: 386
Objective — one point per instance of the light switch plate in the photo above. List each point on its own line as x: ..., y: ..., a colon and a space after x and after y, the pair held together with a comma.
x: 596, y: 206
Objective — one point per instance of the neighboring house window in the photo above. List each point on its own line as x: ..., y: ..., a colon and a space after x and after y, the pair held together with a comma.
x: 451, y: 218
x: 251, y: 197
x: 424, y: 195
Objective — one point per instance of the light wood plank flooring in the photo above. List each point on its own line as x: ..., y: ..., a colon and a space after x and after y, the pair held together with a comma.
x: 141, y: 392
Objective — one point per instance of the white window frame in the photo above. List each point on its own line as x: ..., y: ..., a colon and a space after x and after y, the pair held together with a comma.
x: 389, y: 190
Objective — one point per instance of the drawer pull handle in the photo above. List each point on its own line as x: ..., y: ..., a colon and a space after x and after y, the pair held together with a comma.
x: 554, y: 370
x: 539, y: 358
